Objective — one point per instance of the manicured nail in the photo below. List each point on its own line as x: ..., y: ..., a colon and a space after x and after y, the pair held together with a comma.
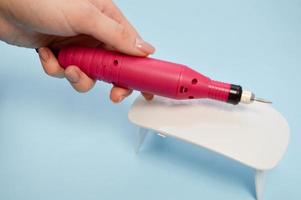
x: 145, y: 47
x: 73, y: 76
x: 43, y: 54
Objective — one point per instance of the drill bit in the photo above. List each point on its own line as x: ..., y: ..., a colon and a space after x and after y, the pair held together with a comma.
x: 261, y: 100
x: 249, y: 97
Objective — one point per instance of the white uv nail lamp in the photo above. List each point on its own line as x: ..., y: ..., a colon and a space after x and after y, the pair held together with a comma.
x: 255, y: 135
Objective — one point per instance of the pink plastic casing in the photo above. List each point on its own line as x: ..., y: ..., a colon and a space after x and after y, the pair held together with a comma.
x: 144, y: 74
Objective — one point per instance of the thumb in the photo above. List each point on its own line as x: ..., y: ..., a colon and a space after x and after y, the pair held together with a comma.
x: 116, y: 35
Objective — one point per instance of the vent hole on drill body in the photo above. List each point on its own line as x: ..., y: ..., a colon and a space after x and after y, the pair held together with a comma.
x: 194, y: 81
x: 191, y: 97
x: 181, y: 89
x: 115, y: 62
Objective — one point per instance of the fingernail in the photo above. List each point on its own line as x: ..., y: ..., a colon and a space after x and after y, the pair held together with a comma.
x: 73, y: 76
x: 43, y: 54
x: 145, y: 47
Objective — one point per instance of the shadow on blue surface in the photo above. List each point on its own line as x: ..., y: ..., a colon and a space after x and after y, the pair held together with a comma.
x: 199, y: 160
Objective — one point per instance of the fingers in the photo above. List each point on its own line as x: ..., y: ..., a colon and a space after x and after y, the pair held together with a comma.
x: 119, y: 36
x: 147, y: 96
x: 50, y: 63
x: 112, y: 11
x: 118, y: 94
x: 79, y: 80
x: 84, y: 40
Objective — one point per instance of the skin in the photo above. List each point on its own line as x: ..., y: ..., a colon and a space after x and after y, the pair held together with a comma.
x: 51, y: 24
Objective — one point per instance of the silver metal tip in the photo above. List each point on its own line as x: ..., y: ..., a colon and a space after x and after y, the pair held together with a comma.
x: 261, y: 100
x: 249, y: 97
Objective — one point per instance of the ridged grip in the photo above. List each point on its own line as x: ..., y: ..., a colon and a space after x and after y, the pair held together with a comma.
x: 144, y: 74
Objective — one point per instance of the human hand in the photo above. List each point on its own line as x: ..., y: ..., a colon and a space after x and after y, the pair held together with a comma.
x: 55, y: 23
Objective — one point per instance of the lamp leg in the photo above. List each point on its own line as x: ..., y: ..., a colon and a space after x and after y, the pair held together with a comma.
x: 142, y: 132
x: 259, y: 183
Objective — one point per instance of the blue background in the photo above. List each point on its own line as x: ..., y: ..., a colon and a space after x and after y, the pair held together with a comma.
x: 58, y: 144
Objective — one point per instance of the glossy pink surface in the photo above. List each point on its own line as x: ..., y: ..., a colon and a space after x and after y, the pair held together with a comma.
x: 144, y: 74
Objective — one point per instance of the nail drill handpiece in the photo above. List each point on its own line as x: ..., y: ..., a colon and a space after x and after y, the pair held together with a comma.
x: 151, y: 75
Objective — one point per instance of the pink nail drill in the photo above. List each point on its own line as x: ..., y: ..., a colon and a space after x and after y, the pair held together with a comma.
x: 151, y: 75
